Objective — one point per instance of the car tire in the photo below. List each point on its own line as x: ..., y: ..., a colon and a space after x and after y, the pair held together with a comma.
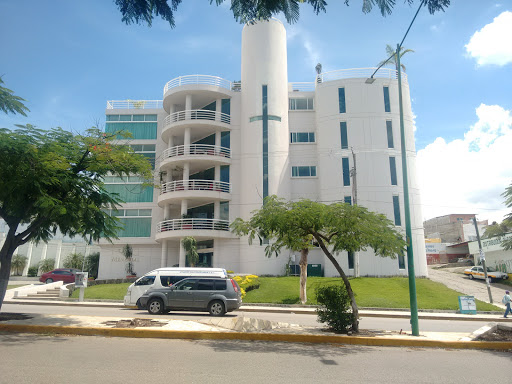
x: 138, y: 304
x: 217, y: 308
x: 471, y: 277
x: 48, y: 281
x: 155, y: 306
x: 491, y: 280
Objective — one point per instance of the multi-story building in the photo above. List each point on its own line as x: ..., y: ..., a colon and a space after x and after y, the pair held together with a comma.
x: 221, y: 147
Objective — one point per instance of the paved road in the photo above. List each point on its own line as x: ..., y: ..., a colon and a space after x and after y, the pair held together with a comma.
x: 306, y: 320
x: 461, y: 283
x: 39, y: 358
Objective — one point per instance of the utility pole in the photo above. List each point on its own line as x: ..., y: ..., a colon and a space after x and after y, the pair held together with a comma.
x: 353, y: 173
x: 482, y: 259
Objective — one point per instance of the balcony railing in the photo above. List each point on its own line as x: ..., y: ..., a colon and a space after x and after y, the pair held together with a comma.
x: 202, y: 79
x: 197, y: 114
x: 386, y: 73
x: 134, y: 104
x: 184, y: 224
x: 195, y: 185
x: 196, y: 149
x: 302, y: 87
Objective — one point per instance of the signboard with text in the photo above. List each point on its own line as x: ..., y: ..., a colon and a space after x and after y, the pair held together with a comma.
x: 467, y: 305
x: 81, y: 279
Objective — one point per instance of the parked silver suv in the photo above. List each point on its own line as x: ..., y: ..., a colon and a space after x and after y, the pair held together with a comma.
x: 215, y: 295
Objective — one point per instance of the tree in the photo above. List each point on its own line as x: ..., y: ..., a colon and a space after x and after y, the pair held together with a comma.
x: 336, y: 227
x: 190, y: 247
x: 244, y: 11
x: 92, y: 264
x: 10, y: 103
x: 391, y: 52
x: 53, y: 180
x: 46, y: 265
x: 501, y: 229
x: 128, y: 255
x: 74, y: 260
x: 19, y: 262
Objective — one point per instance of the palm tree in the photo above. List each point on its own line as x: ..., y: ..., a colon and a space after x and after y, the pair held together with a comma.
x: 190, y: 247
x: 393, y: 60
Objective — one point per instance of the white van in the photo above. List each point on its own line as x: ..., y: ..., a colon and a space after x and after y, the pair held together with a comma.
x: 164, y: 277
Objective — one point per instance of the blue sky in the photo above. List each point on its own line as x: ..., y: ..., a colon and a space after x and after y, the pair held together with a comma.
x: 67, y: 58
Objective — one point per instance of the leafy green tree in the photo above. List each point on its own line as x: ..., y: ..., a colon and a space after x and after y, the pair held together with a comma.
x: 244, y: 11
x: 92, y: 264
x: 46, y: 265
x: 501, y: 229
x: 190, y: 247
x: 335, y: 227
x: 391, y: 52
x: 74, y: 260
x: 10, y: 103
x: 19, y: 262
x: 53, y: 180
x: 128, y: 255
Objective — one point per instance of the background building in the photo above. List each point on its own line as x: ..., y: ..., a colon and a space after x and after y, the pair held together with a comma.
x: 221, y: 147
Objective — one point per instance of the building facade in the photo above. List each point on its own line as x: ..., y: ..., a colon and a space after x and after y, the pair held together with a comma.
x: 220, y: 148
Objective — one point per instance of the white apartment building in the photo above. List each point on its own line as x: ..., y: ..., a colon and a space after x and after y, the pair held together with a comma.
x: 220, y: 147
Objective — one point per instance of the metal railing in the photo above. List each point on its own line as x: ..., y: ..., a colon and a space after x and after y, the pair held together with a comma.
x: 134, y: 104
x: 184, y: 224
x: 302, y: 87
x: 202, y: 79
x: 195, y: 185
x: 197, y: 114
x: 353, y: 73
x: 196, y: 149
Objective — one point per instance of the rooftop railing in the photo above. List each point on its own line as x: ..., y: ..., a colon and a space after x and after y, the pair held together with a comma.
x: 184, y: 224
x: 196, y: 149
x: 386, y: 73
x: 134, y: 104
x: 302, y: 87
x: 197, y: 114
x: 202, y: 79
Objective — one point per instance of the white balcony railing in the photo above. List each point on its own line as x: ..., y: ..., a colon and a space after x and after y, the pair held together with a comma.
x: 353, y: 73
x: 197, y: 114
x: 202, y: 79
x: 134, y: 104
x: 184, y: 224
x: 195, y: 185
x: 196, y: 149
x: 302, y: 87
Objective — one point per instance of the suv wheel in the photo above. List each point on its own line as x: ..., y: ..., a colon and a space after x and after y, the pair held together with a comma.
x: 48, y: 281
x: 155, y: 306
x: 471, y: 277
x: 216, y: 308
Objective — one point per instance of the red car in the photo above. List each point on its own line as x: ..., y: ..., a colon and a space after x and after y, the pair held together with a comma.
x: 66, y: 275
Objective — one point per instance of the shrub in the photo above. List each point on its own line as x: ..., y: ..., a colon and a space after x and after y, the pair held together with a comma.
x: 18, y: 263
x: 247, y: 283
x: 74, y: 260
x: 46, y: 265
x: 92, y: 263
x: 334, y: 307
x: 32, y: 271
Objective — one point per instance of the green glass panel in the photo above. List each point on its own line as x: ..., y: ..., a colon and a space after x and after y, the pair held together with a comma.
x: 150, y: 117
x: 389, y: 129
x: 396, y: 210
x: 392, y: 169
x: 208, y: 140
x: 139, y: 131
x: 135, y: 227
x: 125, y: 118
x: 131, y: 193
x: 344, y: 135
x: 226, y: 106
x: 346, y: 171
x: 112, y: 117
x: 387, y: 105
x: 138, y: 117
x: 341, y: 99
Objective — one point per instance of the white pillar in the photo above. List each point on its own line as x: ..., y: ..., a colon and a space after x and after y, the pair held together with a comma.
x: 29, y: 258
x: 184, y: 207
x: 45, y: 251
x: 186, y: 175
x: 59, y: 252
x: 186, y: 141
x: 216, y: 210
x: 167, y: 208
x: 182, y: 261
x: 188, y: 106
x: 163, y: 259
x: 218, y: 141
x: 218, y: 109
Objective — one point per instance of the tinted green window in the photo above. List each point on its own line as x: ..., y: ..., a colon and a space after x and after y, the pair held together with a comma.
x: 302, y: 137
x: 304, y: 171
x: 344, y: 136
x: 112, y: 117
x: 389, y: 129
x: 224, y: 210
x: 138, y: 118
x: 139, y: 131
x: 125, y: 118
x: 401, y: 260
x: 210, y: 107
x: 396, y: 210
x: 150, y: 118
x: 131, y: 193
x: 135, y: 227
x: 226, y: 106
x: 350, y: 260
x: 208, y: 140
x: 387, y: 105
x: 224, y: 173
x: 150, y: 157
x: 225, y: 140
x: 346, y: 171
x: 341, y: 98
x: 348, y: 200
x: 392, y: 170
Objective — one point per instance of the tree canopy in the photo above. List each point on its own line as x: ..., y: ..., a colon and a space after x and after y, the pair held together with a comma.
x: 10, y: 103
x: 392, y: 59
x: 335, y: 228
x: 244, y: 11
x: 498, y: 230
x: 53, y: 181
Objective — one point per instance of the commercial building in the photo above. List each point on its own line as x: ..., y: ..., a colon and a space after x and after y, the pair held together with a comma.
x: 221, y: 147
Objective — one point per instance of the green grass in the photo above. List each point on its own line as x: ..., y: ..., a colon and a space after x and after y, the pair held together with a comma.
x: 14, y: 286
x: 370, y: 292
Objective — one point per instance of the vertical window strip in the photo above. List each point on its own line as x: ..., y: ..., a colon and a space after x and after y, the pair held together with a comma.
x: 396, y: 210
x: 344, y: 135
x: 387, y: 105
x: 392, y: 170
x: 401, y: 260
x: 346, y: 171
x: 341, y: 98
x: 348, y: 200
x: 265, y: 140
x: 350, y: 260
x: 389, y: 129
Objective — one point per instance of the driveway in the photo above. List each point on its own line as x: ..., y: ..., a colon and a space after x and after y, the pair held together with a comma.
x: 454, y: 279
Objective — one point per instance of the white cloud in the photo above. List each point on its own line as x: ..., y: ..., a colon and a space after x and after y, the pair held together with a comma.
x: 491, y: 44
x: 468, y: 175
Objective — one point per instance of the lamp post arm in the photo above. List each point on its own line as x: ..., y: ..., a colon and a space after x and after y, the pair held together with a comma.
x: 410, y: 25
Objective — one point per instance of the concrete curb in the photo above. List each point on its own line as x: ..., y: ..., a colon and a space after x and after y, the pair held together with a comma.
x: 291, y: 338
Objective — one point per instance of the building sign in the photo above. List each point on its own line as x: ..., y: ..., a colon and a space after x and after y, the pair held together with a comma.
x: 81, y: 279
x: 488, y: 245
x: 467, y: 305
x: 434, y: 248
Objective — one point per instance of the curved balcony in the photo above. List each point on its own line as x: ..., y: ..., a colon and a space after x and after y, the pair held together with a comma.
x: 199, y: 228
x: 355, y: 73
x: 201, y: 191
x: 197, y: 114
x: 205, y: 122
x: 200, y: 156
x: 201, y: 80
x: 197, y: 150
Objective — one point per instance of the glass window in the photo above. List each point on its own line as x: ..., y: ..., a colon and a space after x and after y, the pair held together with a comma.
x: 145, y: 212
x: 300, y: 104
x: 139, y: 130
x: 348, y: 200
x: 401, y: 260
x: 146, y: 280
x: 150, y: 117
x: 136, y: 147
x: 389, y: 129
x: 341, y: 99
x: 350, y: 260
x: 112, y: 117
x: 344, y: 135
x: 392, y: 169
x: 138, y: 118
x: 387, y: 105
x: 186, y: 285
x: 304, y: 171
x: 204, y: 285
x: 131, y: 212
x: 302, y: 137
x: 135, y: 227
x: 125, y: 118
x: 396, y: 210
x: 220, y: 285
x: 346, y: 171
x: 226, y: 106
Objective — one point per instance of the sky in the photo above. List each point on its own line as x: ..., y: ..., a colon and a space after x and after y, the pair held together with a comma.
x: 67, y: 58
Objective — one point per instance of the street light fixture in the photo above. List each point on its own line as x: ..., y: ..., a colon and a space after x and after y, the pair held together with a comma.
x: 408, y: 230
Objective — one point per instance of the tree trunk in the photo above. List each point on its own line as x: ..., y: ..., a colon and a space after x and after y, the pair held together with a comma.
x: 355, y: 310
x: 5, y: 263
x: 303, y: 264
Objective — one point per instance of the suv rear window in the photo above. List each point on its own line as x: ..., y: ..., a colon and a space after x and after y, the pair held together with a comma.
x: 220, y: 285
